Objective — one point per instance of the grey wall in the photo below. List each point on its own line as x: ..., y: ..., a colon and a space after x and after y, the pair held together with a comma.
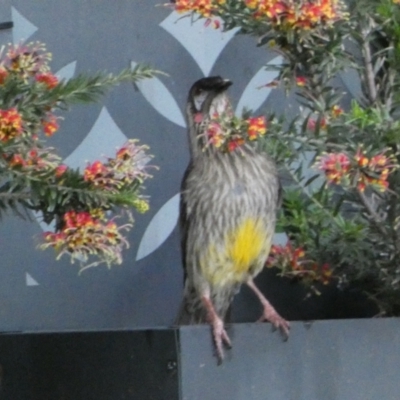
x: 39, y: 293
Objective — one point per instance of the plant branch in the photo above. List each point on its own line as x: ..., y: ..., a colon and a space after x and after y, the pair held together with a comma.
x: 369, y: 68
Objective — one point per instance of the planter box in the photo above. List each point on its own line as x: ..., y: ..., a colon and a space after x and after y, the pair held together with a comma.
x: 325, y: 360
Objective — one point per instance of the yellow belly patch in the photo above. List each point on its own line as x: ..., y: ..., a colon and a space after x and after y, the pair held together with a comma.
x: 241, y: 250
x: 245, y: 244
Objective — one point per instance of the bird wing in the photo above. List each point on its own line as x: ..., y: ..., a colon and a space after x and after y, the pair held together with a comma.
x: 184, y: 220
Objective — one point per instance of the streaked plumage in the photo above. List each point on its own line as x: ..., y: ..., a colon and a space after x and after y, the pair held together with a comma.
x: 227, y: 217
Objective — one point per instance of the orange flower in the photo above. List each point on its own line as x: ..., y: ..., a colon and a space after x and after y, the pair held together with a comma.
x: 335, y: 165
x: 337, y: 111
x: 84, y: 234
x: 17, y: 161
x: 10, y: 124
x: 50, y: 126
x: 234, y: 144
x: 301, y: 81
x: 361, y: 159
x: 215, y: 135
x: 257, y: 127
x: 94, y: 171
x: 60, y: 170
x: 50, y: 80
x: 312, y: 124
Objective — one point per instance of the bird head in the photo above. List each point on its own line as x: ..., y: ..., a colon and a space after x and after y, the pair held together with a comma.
x: 207, y: 97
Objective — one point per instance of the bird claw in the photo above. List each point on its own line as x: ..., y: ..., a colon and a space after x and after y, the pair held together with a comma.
x: 277, y: 321
x: 220, y: 338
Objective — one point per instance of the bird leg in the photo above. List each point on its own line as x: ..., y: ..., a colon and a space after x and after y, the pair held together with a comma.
x: 217, y: 324
x: 269, y: 313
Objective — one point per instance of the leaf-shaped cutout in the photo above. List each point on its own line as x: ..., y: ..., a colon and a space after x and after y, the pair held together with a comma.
x: 256, y: 93
x: 159, y: 228
x: 103, y: 139
x: 66, y: 72
x: 23, y: 28
x: 203, y: 43
x: 157, y: 94
x: 30, y: 281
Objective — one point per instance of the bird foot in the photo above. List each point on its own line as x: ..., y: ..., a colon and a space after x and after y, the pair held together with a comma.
x: 276, y: 320
x: 220, y: 337
x: 269, y: 313
x: 218, y: 330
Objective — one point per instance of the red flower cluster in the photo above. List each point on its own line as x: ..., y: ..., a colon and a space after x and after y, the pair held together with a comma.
x: 205, y: 8
x: 257, y: 127
x: 10, y: 124
x: 36, y: 160
x: 335, y: 165
x: 50, y: 125
x: 293, y: 263
x: 360, y: 170
x: 48, y: 79
x: 229, y: 133
x: 304, y: 15
x: 127, y: 167
x: 374, y: 171
x: 87, y: 233
x: 27, y: 61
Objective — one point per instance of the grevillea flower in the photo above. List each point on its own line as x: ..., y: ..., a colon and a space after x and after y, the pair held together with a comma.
x: 50, y: 125
x: 312, y: 124
x: 203, y: 7
x: 60, y: 170
x: 359, y: 169
x: 336, y: 111
x: 335, y: 166
x: 36, y: 161
x: 16, y: 160
x: 301, y: 81
x: 233, y: 144
x: 48, y: 79
x: 304, y: 15
x: 293, y: 263
x: 257, y: 127
x: 84, y: 234
x: 10, y: 124
x: 27, y: 61
x: 374, y: 171
x: 215, y: 134
x: 128, y: 167
x: 97, y: 173
x: 227, y: 132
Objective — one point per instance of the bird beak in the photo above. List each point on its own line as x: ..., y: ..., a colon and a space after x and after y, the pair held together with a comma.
x: 224, y: 85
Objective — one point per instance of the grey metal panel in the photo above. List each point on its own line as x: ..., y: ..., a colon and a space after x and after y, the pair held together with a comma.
x: 325, y: 360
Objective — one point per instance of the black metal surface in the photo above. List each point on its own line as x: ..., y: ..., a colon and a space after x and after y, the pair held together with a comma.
x: 89, y: 366
x: 325, y: 360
